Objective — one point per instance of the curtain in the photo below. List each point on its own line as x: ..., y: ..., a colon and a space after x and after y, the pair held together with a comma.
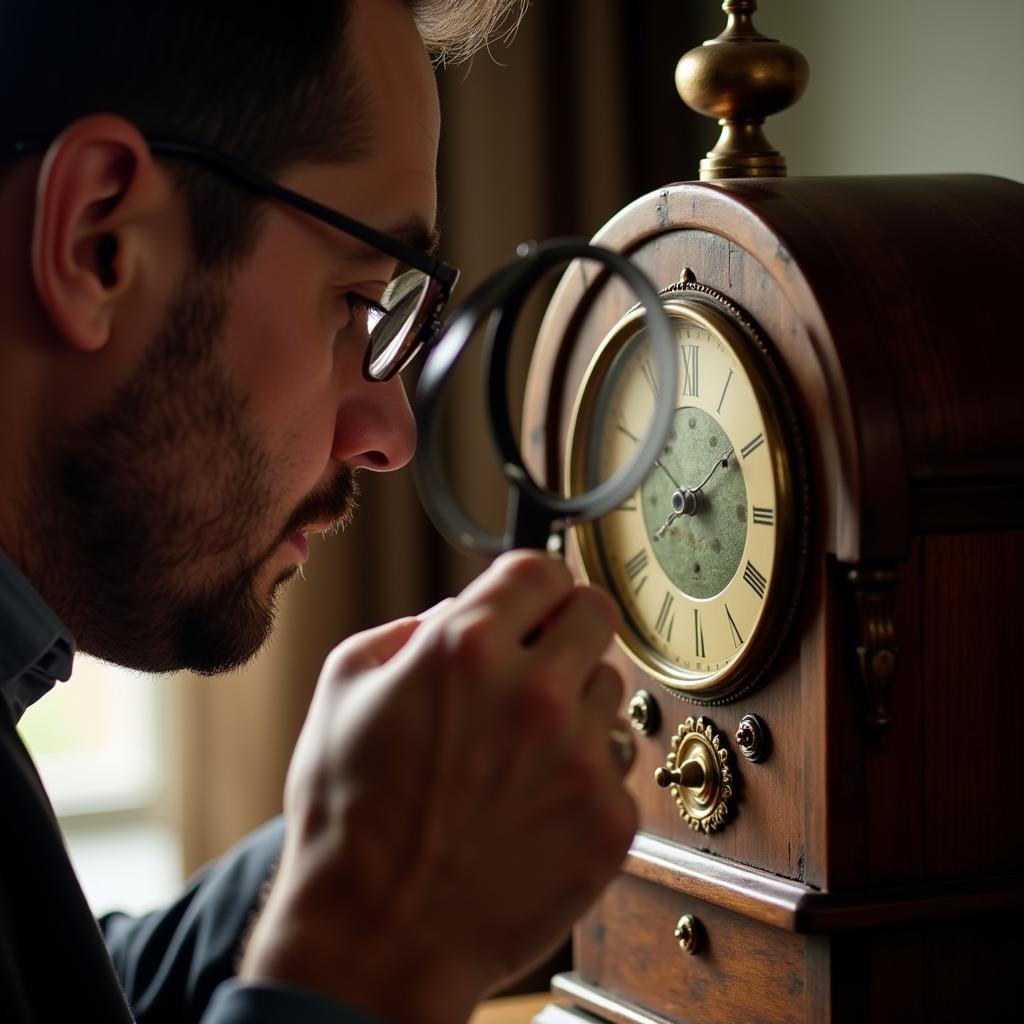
x: 548, y: 135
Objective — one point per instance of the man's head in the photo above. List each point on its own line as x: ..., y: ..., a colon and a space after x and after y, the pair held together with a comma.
x: 180, y: 371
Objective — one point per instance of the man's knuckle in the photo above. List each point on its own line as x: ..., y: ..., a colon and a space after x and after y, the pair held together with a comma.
x: 535, y: 572
x: 472, y: 644
x: 342, y: 662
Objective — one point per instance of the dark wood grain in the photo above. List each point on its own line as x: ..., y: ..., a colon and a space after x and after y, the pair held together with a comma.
x: 740, y: 968
x: 973, y: 704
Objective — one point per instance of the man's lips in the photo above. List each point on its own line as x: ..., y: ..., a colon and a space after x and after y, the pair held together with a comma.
x: 301, y: 543
x: 300, y: 539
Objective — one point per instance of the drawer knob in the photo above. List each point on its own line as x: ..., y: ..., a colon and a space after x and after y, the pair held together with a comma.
x: 687, y: 932
x: 698, y: 775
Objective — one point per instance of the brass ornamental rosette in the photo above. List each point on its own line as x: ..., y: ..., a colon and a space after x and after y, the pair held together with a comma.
x: 698, y: 776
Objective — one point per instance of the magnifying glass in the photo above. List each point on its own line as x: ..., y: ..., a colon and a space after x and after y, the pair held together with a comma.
x: 535, y: 512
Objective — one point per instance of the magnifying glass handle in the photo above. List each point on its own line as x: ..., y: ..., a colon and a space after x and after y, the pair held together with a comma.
x: 529, y: 524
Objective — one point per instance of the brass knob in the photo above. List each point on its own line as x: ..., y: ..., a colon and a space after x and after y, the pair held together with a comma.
x: 643, y: 713
x: 697, y: 774
x: 690, y: 774
x: 687, y: 933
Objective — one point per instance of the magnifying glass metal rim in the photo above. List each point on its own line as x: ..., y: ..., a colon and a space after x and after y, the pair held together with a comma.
x: 496, y: 298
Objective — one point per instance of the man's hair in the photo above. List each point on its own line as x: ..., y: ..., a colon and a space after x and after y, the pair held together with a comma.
x: 454, y: 30
x: 269, y: 83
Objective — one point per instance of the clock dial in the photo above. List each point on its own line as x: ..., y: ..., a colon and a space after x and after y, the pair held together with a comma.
x: 698, y: 556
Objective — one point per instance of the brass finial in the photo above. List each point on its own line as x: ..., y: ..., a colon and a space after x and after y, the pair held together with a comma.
x: 741, y: 77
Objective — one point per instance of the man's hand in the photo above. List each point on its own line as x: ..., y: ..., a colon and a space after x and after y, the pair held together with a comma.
x: 453, y: 803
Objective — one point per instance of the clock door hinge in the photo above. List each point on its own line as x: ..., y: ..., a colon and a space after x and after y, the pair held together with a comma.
x: 874, y: 591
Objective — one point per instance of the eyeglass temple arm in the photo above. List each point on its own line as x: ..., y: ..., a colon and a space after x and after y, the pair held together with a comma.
x: 227, y: 166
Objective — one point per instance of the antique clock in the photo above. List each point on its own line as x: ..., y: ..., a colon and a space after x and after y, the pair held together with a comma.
x: 821, y: 579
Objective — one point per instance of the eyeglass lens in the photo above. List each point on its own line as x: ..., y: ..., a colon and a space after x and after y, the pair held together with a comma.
x: 396, y: 336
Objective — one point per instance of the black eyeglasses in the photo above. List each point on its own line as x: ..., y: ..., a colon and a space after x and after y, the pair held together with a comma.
x: 407, y: 318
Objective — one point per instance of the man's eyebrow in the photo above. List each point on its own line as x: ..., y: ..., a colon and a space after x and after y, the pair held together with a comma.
x: 417, y: 235
x: 413, y: 232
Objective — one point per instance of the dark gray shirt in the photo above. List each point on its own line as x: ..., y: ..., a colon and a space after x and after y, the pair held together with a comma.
x: 35, y: 647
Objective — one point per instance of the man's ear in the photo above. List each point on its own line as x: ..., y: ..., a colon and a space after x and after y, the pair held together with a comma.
x: 98, y: 192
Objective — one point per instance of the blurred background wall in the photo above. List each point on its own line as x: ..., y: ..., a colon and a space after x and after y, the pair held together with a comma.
x: 550, y: 135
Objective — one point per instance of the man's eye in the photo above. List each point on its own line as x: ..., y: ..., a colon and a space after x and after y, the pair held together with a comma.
x: 364, y: 311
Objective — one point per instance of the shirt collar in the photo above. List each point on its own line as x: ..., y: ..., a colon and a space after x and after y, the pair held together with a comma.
x: 36, y: 648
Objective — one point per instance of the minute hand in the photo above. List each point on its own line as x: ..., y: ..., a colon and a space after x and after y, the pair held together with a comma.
x: 722, y: 463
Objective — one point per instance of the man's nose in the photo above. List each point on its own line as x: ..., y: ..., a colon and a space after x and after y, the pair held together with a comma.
x: 374, y: 428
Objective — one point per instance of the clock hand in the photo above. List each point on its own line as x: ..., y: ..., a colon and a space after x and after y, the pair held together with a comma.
x: 677, y: 500
x: 672, y: 517
x: 722, y: 463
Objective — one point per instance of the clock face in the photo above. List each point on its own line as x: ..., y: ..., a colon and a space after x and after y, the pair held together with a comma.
x: 701, y: 557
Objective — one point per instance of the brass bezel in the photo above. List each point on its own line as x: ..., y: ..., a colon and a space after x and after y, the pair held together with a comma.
x: 718, y: 315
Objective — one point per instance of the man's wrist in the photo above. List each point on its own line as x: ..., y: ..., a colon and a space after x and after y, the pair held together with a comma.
x: 381, y: 979
x: 270, y: 1002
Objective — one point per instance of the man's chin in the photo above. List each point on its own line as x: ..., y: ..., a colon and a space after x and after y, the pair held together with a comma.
x: 222, y: 634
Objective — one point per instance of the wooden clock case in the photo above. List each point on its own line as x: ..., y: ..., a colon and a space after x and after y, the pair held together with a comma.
x: 871, y: 866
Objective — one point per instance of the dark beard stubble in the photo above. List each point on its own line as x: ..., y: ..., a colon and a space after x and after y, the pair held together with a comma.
x: 149, y: 521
